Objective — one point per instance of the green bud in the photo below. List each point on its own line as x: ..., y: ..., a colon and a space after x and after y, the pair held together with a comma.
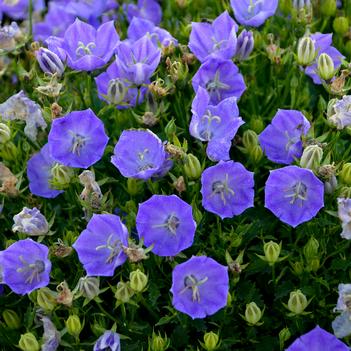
x: 192, y: 167
x: 345, y: 192
x: 5, y: 133
x: 328, y: 7
x: 297, y: 302
x: 326, y: 69
x: 345, y: 174
x: 297, y: 268
x: 28, y: 342
x: 313, y: 265
x: 11, y: 319
x: 138, y: 280
x: 253, y: 314
x: 311, y: 157
x: 116, y: 91
x: 9, y: 151
x: 284, y: 335
x: 306, y: 51
x: 61, y: 176
x: 124, y: 292
x: 46, y: 299
x: 211, y: 340
x: 73, y: 325
x: 250, y: 139
x: 257, y: 125
x: 341, y: 25
x: 134, y: 186
x: 272, y: 252
x: 256, y: 153
x: 89, y: 287
x: 170, y: 129
x: 158, y: 343
x: 310, y: 250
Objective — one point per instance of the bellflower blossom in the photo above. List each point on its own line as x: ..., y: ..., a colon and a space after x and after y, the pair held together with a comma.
x: 26, y: 266
x: 344, y: 213
x: 215, y: 124
x: 167, y: 223
x: 109, y: 341
x: 281, y: 140
x: 84, y: 47
x: 77, y: 139
x: 18, y: 9
x: 100, y: 245
x: 216, y: 40
x: 253, y: 12
x: 200, y: 287
x: 139, y: 154
x: 317, y: 339
x: 295, y: 195
x: 147, y: 9
x: 221, y: 78
x: 227, y: 189
x: 20, y: 107
x: 30, y: 222
x: 342, y: 113
x: 39, y: 172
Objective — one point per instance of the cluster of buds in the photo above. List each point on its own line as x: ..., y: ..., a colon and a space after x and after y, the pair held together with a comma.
x: 251, y: 146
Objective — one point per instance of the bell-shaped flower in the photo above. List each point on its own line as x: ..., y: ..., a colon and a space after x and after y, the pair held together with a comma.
x: 147, y: 9
x: 109, y: 341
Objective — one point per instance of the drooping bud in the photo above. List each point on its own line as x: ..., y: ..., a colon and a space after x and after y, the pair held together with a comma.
x: 116, y: 91
x: 11, y: 319
x: 123, y: 292
x: 245, y: 45
x: 192, y: 167
x: 138, y: 280
x: 253, y: 314
x: 345, y: 174
x: 28, y: 342
x: 89, y: 287
x: 46, y: 299
x: 30, y: 222
x: 5, y: 133
x: 326, y: 68
x: 328, y: 7
x: 211, y: 341
x: 272, y: 252
x: 311, y: 157
x: 49, y: 62
x: 158, y: 343
x: 61, y: 176
x: 341, y: 25
x: 297, y: 302
x: 306, y: 51
x: 73, y: 325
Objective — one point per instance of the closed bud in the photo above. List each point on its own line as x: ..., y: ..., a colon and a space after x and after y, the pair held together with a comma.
x: 297, y: 268
x: 192, y: 167
x: 138, y: 280
x: 272, y: 252
x: 256, y: 154
x: 250, y: 139
x: 244, y: 45
x: 49, y: 62
x: 341, y: 25
x: 306, y: 51
x: 311, y: 157
x: 158, y: 343
x: 124, y: 292
x: 73, y: 325
x: 345, y: 174
x: 257, y: 124
x: 211, y: 341
x: 28, y: 342
x: 116, y: 91
x: 46, y: 299
x: 326, y: 69
x: 61, y: 176
x: 170, y: 129
x: 297, y: 302
x: 328, y: 7
x: 313, y: 265
x: 5, y: 133
x: 11, y: 319
x: 345, y: 192
x: 134, y: 186
x: 253, y: 313
x: 330, y: 185
x: 89, y: 287
x: 310, y: 250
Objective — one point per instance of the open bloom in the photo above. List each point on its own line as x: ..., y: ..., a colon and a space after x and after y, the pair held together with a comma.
x: 84, y: 47
x: 147, y: 9
x: 100, y: 245
x: 200, y: 287
x: 344, y: 213
x: 167, y: 223
x: 109, y: 341
x: 78, y: 139
x: 26, y: 266
x: 295, y: 195
x: 221, y: 79
x: 227, y: 189
x: 31, y: 222
x: 317, y: 339
x: 253, y: 12
x: 215, y: 124
x: 217, y: 40
x: 139, y: 154
x: 281, y: 140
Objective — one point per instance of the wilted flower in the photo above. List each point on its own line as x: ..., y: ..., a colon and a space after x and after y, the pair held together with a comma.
x: 77, y: 139
x: 8, y: 182
x: 216, y: 40
x: 91, y: 192
x: 344, y: 299
x: 253, y: 12
x: 244, y: 45
x: 341, y: 110
x: 9, y: 36
x: 138, y: 154
x: 281, y: 140
x: 89, y: 287
x: 147, y: 9
x: 227, y: 189
x: 49, y: 62
x: 20, y: 107
x: 99, y: 246
x: 293, y: 194
x: 342, y: 325
x: 30, y: 222
x: 200, y: 287
x: 344, y: 213
x: 109, y: 341
x: 215, y: 124
x: 167, y: 223
x: 221, y: 79
x: 51, y: 337
x: 26, y: 266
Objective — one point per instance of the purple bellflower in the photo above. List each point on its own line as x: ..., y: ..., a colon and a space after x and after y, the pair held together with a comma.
x: 139, y: 154
x: 227, y: 189
x: 200, y: 287
x: 215, y: 124
x: 221, y: 79
x: 77, y: 139
x: 167, y: 223
x: 109, y: 341
x: 281, y: 140
x: 244, y: 46
x: 253, y: 12
x: 26, y: 266
x: 293, y: 194
x: 317, y: 339
x: 18, y: 9
x: 49, y: 62
x: 84, y: 47
x: 147, y: 9
x: 216, y: 40
x: 30, y: 222
x: 100, y: 245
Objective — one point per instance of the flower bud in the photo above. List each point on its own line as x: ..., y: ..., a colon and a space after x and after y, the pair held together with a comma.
x: 250, y: 139
x: 192, y: 167
x: 89, y: 287
x: 253, y: 314
x: 158, y: 343
x: 257, y: 124
x: 345, y: 192
x: 5, y: 133
x: 244, y: 45
x: 124, y: 292
x: 256, y: 154
x: 49, y: 62
x: 46, y: 299
x: 306, y: 51
x: 311, y: 157
x: 116, y: 91
x: 310, y: 250
x: 61, y: 176
x: 170, y: 129
x: 297, y: 302
x: 28, y: 342
x: 138, y: 280
x: 11, y: 319
x: 211, y: 340
x: 328, y: 7
x: 30, y: 222
x: 284, y: 335
x: 345, y: 174
x: 297, y: 268
x: 134, y: 186
x: 313, y: 265
x: 73, y: 325
x: 330, y: 185
x: 341, y: 25
x: 272, y: 252
x: 326, y: 69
